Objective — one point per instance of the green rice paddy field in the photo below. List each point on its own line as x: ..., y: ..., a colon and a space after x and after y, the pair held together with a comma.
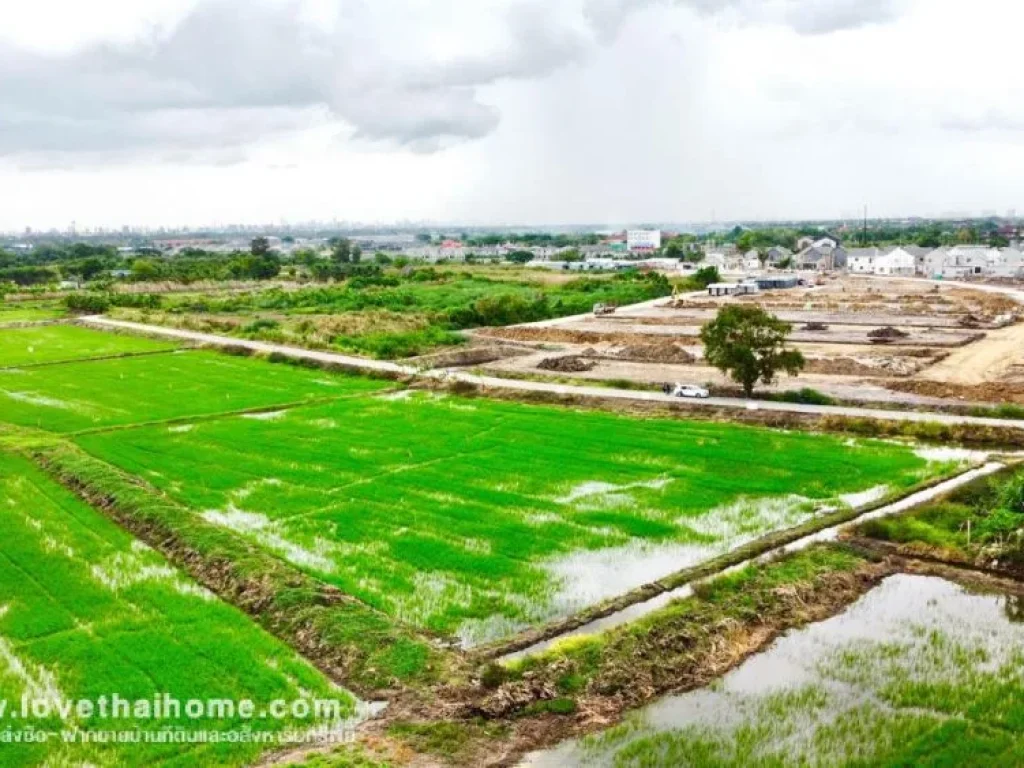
x: 87, y: 611
x: 29, y: 313
x: 477, y: 517
x: 130, y: 390
x: 463, y: 516
x: 60, y: 343
x: 918, y: 672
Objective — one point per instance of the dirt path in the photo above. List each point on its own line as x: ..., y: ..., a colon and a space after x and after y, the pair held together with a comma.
x: 496, y: 383
x: 982, y: 361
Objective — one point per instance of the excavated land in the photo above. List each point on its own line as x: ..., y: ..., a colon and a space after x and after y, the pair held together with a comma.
x: 904, y: 342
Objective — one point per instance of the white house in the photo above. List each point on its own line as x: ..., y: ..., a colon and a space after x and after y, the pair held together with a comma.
x: 896, y: 262
x: 715, y: 259
x: 751, y: 261
x: 1010, y: 263
x: 957, y: 262
x: 883, y: 261
x: 862, y: 260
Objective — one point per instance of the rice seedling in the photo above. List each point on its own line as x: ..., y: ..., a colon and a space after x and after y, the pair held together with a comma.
x: 131, y: 390
x: 918, y: 672
x: 59, y: 343
x: 88, y: 612
x: 479, y: 517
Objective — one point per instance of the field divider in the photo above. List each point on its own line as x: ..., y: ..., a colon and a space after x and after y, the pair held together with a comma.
x: 15, y: 324
x: 915, y: 553
x: 98, y: 359
x: 203, y: 417
x: 749, y: 552
x: 352, y: 642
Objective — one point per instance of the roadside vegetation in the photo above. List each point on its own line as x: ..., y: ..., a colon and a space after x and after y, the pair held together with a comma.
x: 749, y: 344
x: 394, y: 313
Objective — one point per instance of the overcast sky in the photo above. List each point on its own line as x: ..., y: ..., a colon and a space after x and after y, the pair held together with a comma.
x: 506, y: 111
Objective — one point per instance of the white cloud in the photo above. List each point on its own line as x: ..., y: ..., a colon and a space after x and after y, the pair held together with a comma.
x: 506, y: 110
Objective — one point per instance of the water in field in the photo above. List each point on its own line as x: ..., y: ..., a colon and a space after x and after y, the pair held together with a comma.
x: 918, y: 672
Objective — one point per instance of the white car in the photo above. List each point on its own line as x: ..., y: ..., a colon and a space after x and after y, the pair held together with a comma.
x: 689, y: 390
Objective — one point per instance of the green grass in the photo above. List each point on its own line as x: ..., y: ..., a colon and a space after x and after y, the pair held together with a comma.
x: 1003, y: 411
x: 401, y: 315
x: 86, y: 611
x: 130, y: 390
x: 349, y: 756
x: 452, y: 514
x: 985, y: 514
x: 28, y: 313
x: 58, y: 343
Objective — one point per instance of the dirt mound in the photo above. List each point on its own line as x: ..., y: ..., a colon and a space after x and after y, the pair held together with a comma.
x: 991, y: 392
x: 886, y: 335
x: 566, y: 364
x: 888, y: 332
x: 970, y: 321
x: 560, y: 335
x: 664, y: 352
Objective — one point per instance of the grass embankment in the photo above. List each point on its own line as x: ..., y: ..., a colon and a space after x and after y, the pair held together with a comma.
x: 917, y: 672
x: 497, y: 514
x: 13, y: 314
x: 981, y: 523
x: 88, y: 611
x: 397, y: 314
x: 344, y: 637
x: 60, y: 343
x: 130, y: 390
x: 539, y: 700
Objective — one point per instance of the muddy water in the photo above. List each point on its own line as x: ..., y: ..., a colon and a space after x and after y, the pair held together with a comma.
x: 891, y: 674
x: 637, y: 610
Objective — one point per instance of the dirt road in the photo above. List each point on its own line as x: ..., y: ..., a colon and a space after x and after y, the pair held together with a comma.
x: 494, y: 382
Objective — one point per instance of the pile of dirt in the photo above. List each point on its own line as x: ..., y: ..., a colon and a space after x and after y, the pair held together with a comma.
x: 886, y: 335
x: 989, y: 392
x: 566, y: 364
x: 554, y: 335
x: 658, y: 352
x: 970, y: 321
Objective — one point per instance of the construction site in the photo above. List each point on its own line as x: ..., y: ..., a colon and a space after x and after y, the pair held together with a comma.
x: 899, y: 342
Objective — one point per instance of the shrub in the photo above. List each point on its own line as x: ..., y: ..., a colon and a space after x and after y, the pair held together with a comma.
x: 807, y: 396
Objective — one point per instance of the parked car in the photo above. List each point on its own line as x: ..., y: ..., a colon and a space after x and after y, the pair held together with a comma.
x: 685, y: 390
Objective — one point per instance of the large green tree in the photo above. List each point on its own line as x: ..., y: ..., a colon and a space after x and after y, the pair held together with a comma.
x: 749, y: 345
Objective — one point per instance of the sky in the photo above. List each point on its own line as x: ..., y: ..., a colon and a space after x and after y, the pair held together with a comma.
x: 547, y: 112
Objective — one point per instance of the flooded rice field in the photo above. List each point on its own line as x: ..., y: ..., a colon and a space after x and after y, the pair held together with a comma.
x: 918, y: 671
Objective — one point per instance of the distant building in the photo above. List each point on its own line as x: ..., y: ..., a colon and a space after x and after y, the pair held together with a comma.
x: 732, y: 289
x: 643, y: 239
x: 777, y: 282
x: 821, y: 257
